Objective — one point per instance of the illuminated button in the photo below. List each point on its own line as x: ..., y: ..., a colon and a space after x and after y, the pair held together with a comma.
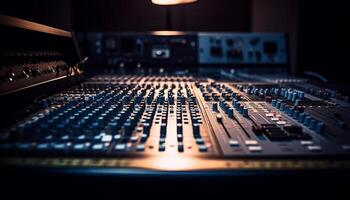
x: 180, y: 147
x: 97, y: 147
x: 161, y: 140
x: 81, y: 137
x: 203, y: 148
x: 251, y: 142
x: 161, y: 147
x: 117, y: 137
x: 269, y: 114
x: 314, y: 148
x: 65, y: 137
x: 163, y: 129
x: 79, y: 147
x: 49, y: 137
x: 234, y: 143
x: 255, y: 149
x: 59, y: 146
x: 140, y: 147
x: 196, y: 130
x: 179, y: 137
x: 144, y: 137
x: 281, y: 122
x: 199, y: 141
x: 306, y: 142
x: 134, y: 138
x: 179, y: 128
x: 106, y: 138
x: 120, y: 147
x: 43, y: 146
x: 97, y: 137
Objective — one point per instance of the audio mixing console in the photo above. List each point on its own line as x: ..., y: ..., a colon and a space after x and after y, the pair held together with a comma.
x: 182, y: 123
x: 150, y: 121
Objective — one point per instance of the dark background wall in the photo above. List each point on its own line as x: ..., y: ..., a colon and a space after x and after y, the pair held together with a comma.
x: 278, y: 16
x: 141, y: 15
x: 57, y: 13
x: 318, y: 30
x: 324, y: 39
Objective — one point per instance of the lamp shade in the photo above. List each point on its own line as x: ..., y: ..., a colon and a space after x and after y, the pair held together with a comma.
x: 172, y: 2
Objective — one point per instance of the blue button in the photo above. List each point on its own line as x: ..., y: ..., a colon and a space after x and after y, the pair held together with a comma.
x: 199, y: 141
x: 301, y: 117
x: 203, y: 148
x: 79, y: 147
x: 43, y: 146
x: 296, y: 114
x: 245, y: 112
x: 273, y: 102
x: 307, y: 120
x: 230, y: 113
x: 23, y: 146
x: 97, y: 147
x: 278, y: 104
x: 140, y: 147
x: 291, y: 112
x: 59, y: 146
x: 161, y: 147
x: 282, y: 106
x: 312, y: 124
x: 120, y: 147
x: 320, y: 128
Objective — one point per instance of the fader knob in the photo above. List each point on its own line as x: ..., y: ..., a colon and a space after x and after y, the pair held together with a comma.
x: 245, y: 112
x: 230, y: 112
x: 196, y: 129
x: 215, y: 107
x: 219, y: 118
x: 163, y: 130
x: 320, y: 127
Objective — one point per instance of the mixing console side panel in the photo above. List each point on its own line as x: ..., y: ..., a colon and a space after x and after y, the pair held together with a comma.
x: 252, y: 121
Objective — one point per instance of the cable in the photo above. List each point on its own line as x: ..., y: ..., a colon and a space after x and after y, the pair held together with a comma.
x: 315, y: 75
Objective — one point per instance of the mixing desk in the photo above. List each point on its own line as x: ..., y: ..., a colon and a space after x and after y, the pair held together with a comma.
x: 160, y: 117
x: 151, y: 120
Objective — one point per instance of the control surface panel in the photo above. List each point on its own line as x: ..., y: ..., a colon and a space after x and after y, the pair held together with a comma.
x: 169, y: 117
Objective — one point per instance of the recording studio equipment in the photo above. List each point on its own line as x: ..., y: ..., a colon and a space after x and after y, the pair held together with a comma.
x: 242, y: 48
x: 169, y: 48
x: 35, y: 60
x: 162, y: 48
x: 173, y: 122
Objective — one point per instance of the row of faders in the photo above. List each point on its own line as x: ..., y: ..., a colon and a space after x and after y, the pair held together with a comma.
x: 110, y: 115
x: 269, y: 120
x: 152, y: 115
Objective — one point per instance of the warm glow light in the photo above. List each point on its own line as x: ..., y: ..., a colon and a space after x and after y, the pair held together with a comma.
x: 172, y: 2
x: 172, y: 162
x: 166, y: 33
